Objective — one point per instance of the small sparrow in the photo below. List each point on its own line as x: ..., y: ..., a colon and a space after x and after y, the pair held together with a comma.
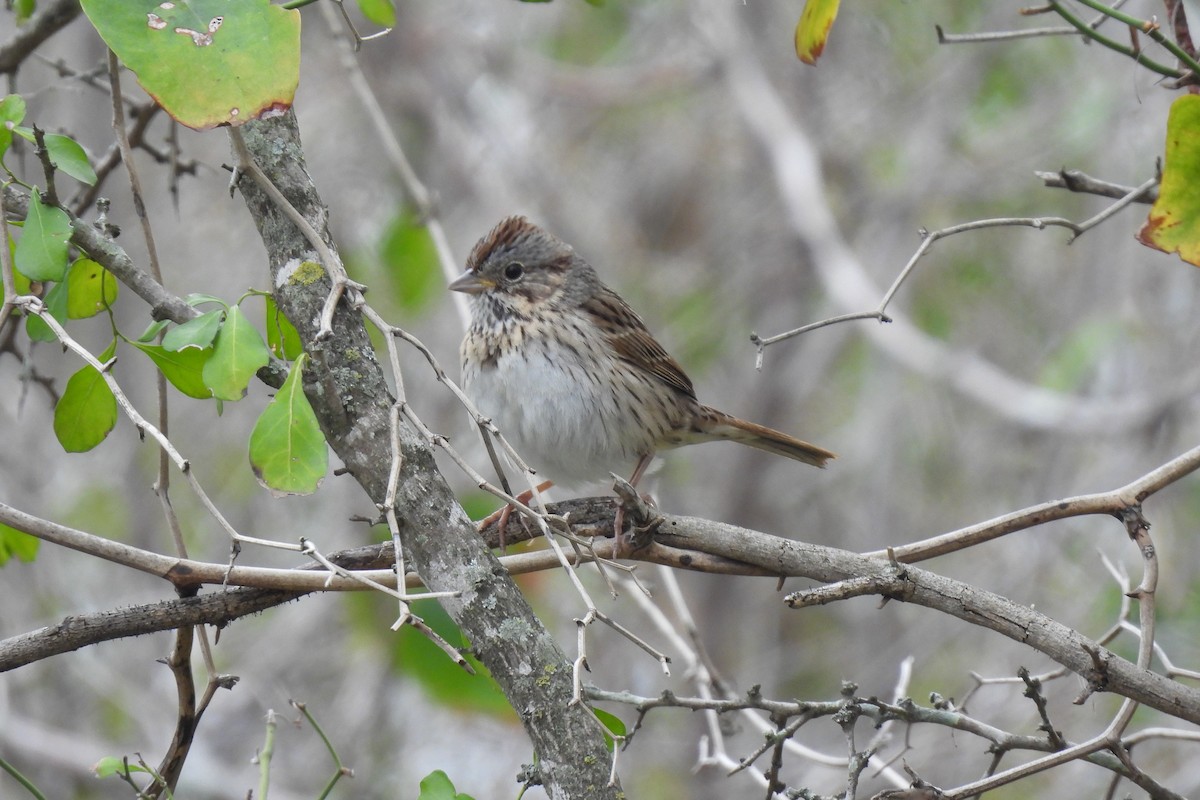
x: 568, y: 372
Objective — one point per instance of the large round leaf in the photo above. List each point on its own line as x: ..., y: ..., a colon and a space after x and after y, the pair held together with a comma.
x: 208, y: 62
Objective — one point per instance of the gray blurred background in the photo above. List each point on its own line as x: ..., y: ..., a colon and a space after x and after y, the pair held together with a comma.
x: 1020, y: 369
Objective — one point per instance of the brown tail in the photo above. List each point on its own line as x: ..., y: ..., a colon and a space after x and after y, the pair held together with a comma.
x: 719, y: 425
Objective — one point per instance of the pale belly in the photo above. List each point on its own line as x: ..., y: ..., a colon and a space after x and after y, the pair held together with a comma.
x: 562, y: 421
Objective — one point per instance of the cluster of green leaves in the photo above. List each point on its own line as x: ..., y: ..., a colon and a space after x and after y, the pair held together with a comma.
x: 214, y: 355
x: 77, y: 289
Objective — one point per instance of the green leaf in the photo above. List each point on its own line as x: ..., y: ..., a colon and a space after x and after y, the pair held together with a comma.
x: 438, y: 786
x: 238, y: 353
x: 56, y: 305
x: 199, y: 299
x: 152, y: 330
x: 207, y: 62
x: 17, y: 543
x: 613, y: 723
x: 381, y: 12
x: 411, y: 263
x: 282, y: 336
x: 21, y: 283
x: 41, y: 253
x: 287, y: 449
x: 24, y: 9
x: 111, y: 765
x: 68, y: 156
x: 90, y: 289
x: 813, y: 29
x: 1174, y: 222
x: 12, y: 111
x: 184, y: 368
x: 197, y: 332
x: 87, y: 410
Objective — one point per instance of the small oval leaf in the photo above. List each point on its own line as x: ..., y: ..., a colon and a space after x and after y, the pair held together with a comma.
x: 184, y: 368
x: 68, y: 156
x: 90, y: 289
x: 41, y: 253
x: 86, y: 412
x: 238, y: 353
x: 287, y: 449
x: 197, y: 332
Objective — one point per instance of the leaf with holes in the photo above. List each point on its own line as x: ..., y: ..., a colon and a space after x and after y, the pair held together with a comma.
x: 207, y: 62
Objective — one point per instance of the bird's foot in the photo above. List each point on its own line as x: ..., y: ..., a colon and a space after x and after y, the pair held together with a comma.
x: 643, y: 521
x: 500, y: 516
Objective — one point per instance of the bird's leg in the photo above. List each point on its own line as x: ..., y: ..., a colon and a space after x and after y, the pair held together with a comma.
x: 620, y: 541
x: 500, y: 516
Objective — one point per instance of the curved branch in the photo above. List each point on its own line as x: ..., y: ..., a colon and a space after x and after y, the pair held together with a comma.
x: 1104, y: 670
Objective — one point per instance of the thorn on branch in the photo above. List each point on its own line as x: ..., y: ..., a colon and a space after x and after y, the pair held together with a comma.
x: 1096, y: 677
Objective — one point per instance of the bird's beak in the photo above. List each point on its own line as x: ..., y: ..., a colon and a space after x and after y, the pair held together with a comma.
x: 470, y: 283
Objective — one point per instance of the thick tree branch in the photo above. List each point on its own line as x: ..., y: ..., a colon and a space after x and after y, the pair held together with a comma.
x: 784, y: 557
x: 353, y: 403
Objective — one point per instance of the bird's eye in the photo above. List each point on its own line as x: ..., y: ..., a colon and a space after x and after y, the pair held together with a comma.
x: 514, y: 270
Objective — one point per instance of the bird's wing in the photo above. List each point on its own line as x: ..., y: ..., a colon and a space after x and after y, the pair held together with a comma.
x: 625, y: 332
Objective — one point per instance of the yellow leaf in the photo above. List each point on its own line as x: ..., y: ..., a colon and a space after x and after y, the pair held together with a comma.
x: 1174, y: 222
x: 813, y: 28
